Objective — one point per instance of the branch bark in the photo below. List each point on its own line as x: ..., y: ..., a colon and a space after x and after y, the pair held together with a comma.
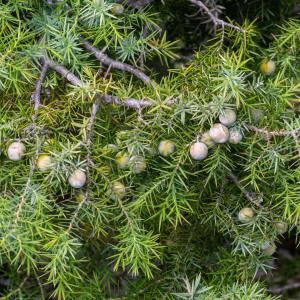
x: 133, y: 103
x: 269, y: 134
x: 216, y: 21
x: 64, y: 72
x: 106, y: 60
x: 136, y: 3
x: 36, y: 96
x: 109, y: 99
x: 283, y: 288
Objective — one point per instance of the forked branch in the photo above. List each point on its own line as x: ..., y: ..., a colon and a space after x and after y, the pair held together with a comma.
x: 215, y: 20
x: 36, y: 96
x: 106, y: 60
x: 109, y: 99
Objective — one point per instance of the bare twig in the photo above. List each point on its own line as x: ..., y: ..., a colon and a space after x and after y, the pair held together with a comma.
x: 216, y: 21
x: 109, y: 99
x: 283, y: 288
x: 107, y: 72
x: 136, y: 3
x: 36, y: 96
x: 247, y: 194
x: 134, y: 103
x: 106, y: 60
x: 64, y: 72
x: 269, y: 134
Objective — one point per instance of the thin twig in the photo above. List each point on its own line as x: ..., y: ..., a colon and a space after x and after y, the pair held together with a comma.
x: 36, y: 96
x: 106, y: 60
x: 27, y: 186
x: 43, y: 297
x: 107, y: 72
x: 269, y: 134
x: 23, y: 197
x: 295, y: 137
x: 247, y: 194
x: 125, y: 212
x: 283, y: 288
x: 136, y: 3
x: 216, y: 21
x: 88, y: 143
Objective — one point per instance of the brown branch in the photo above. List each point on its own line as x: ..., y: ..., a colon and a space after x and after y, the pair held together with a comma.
x: 109, y: 99
x: 216, y: 21
x: 283, y: 288
x: 136, y: 3
x: 106, y: 60
x: 36, y: 95
x: 64, y: 72
x: 133, y: 103
x: 247, y: 194
x: 269, y: 134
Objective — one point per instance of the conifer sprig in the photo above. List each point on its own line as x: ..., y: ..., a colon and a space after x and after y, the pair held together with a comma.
x: 147, y: 211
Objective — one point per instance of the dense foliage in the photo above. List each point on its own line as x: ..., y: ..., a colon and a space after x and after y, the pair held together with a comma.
x: 100, y: 105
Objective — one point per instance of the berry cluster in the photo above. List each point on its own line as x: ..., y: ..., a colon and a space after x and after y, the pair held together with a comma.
x: 219, y: 133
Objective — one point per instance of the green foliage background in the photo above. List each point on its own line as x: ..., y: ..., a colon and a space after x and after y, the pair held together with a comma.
x: 176, y: 233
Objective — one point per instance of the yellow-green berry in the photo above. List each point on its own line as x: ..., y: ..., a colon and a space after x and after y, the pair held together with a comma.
x: 166, y: 147
x: 246, y: 214
x: 122, y: 160
x: 281, y: 227
x: 118, y: 190
x: 117, y: 9
x: 267, y: 67
x: 268, y: 248
x: 80, y: 197
x: 44, y: 162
